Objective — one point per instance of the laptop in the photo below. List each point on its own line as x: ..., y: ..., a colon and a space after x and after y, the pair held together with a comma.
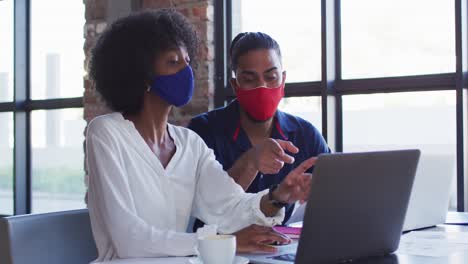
x: 431, y: 192
x: 356, y: 208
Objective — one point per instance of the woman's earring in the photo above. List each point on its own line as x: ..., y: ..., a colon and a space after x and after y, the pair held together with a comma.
x: 148, y: 89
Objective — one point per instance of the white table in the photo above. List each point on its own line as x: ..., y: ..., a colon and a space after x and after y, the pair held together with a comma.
x: 456, y: 258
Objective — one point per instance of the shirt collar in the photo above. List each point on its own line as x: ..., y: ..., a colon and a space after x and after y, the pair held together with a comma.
x: 282, y: 123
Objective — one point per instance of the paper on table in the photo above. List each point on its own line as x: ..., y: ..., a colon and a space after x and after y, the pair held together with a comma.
x: 455, y: 237
x: 433, y: 243
x: 298, y: 213
x: 292, y: 232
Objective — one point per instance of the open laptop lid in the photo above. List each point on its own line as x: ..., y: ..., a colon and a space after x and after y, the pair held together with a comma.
x: 357, y: 205
x: 429, y: 200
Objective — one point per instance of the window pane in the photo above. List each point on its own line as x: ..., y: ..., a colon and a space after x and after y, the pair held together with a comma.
x: 423, y: 120
x: 6, y: 163
x: 308, y: 108
x: 57, y: 55
x: 57, y: 160
x: 6, y: 51
x: 300, y: 42
x: 465, y: 136
x: 399, y: 37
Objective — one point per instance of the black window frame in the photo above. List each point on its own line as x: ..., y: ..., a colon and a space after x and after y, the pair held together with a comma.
x: 332, y: 86
x: 22, y: 106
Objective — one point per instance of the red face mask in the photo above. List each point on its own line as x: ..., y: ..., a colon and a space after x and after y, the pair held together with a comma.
x: 260, y: 103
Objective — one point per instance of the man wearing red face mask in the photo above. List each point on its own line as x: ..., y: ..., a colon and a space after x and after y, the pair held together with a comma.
x: 256, y: 143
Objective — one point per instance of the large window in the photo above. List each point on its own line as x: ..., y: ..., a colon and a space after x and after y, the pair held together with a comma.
x: 6, y: 163
x: 6, y: 118
x: 57, y: 183
x: 398, y: 37
x: 371, y: 75
x: 387, y: 121
x: 300, y: 45
x: 308, y: 108
x: 422, y: 120
x: 56, y: 58
x: 6, y: 51
x: 41, y: 108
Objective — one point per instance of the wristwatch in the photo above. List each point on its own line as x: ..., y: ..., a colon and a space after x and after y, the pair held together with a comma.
x: 274, y: 202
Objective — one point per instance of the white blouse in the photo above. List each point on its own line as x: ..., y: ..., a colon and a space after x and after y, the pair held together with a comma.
x: 138, y: 208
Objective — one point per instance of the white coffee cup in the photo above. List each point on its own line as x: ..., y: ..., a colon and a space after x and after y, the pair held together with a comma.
x: 217, y: 249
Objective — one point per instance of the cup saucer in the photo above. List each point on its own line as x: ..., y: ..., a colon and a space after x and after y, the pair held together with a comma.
x: 237, y: 260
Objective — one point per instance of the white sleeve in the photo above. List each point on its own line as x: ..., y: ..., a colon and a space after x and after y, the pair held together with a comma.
x: 220, y: 200
x: 110, y: 200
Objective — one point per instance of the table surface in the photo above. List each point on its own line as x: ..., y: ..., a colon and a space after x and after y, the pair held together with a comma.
x: 455, y: 258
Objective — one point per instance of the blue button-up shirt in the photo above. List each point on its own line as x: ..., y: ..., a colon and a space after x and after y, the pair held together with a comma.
x: 222, y: 132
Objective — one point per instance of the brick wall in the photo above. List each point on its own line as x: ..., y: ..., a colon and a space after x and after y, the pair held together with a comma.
x: 95, y: 14
x: 200, y: 13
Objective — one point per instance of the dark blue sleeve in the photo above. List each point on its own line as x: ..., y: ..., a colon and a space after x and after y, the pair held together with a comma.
x: 314, y: 141
x: 206, y: 127
x: 319, y: 145
x: 200, y: 125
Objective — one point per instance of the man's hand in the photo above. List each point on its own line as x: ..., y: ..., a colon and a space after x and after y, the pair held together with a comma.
x: 270, y: 156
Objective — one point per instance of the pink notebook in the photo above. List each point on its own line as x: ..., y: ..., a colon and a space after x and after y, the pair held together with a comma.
x: 292, y: 232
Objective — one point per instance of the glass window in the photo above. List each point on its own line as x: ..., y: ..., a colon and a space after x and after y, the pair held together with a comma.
x: 297, y: 30
x: 6, y: 51
x: 6, y: 163
x: 465, y: 137
x: 57, y: 55
x: 423, y: 120
x: 308, y: 108
x: 399, y: 37
x: 57, y: 160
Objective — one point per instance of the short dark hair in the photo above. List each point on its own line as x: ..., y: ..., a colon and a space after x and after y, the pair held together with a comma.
x: 122, y: 60
x: 247, y: 41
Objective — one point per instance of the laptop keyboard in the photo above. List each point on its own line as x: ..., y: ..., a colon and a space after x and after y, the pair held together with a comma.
x: 285, y: 257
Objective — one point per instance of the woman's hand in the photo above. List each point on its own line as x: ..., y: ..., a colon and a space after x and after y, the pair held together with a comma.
x: 296, y: 185
x: 269, y: 156
x: 257, y: 239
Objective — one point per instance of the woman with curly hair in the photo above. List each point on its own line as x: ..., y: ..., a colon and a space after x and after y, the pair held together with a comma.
x: 148, y: 177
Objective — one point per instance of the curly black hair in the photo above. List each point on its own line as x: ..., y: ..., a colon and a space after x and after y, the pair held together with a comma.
x: 122, y: 59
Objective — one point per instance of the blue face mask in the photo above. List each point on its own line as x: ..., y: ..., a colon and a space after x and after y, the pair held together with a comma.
x: 176, y: 89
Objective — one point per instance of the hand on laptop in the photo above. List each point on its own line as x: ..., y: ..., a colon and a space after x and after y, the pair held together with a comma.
x: 258, y: 239
x: 270, y: 155
x: 296, y: 185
